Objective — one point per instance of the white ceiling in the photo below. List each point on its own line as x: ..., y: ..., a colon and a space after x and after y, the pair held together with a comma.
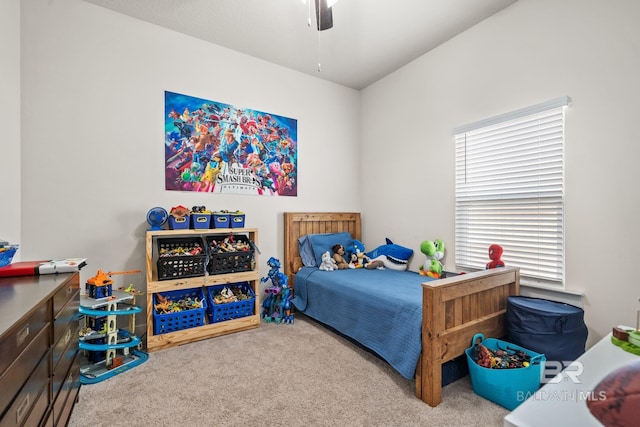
x: 369, y: 38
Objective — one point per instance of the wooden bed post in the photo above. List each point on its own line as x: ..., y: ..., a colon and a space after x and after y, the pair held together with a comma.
x: 429, y: 371
x: 453, y: 310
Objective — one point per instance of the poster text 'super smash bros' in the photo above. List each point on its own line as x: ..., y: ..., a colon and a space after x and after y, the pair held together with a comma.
x: 219, y: 148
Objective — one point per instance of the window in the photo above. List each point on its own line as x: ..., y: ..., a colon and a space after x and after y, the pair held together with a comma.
x: 510, y: 191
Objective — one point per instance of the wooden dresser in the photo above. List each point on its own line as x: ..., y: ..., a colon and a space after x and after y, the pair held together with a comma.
x: 39, y: 358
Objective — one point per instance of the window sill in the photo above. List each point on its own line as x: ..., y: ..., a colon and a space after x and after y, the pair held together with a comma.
x: 553, y: 293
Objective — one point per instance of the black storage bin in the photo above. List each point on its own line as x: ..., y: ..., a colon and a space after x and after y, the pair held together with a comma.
x: 550, y: 327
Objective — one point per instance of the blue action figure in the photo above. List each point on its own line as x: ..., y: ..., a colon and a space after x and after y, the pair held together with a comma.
x: 277, y: 306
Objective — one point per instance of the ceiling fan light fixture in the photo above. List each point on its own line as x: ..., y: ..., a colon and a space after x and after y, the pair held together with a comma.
x: 324, y: 16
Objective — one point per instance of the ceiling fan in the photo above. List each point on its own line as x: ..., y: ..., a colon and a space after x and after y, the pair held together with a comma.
x: 324, y: 16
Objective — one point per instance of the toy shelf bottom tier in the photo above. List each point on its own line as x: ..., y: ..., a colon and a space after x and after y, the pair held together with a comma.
x: 91, y: 373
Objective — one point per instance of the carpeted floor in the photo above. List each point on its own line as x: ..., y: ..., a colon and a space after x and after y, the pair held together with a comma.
x: 276, y: 375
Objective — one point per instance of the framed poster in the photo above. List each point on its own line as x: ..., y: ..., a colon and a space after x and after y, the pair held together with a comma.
x: 219, y: 148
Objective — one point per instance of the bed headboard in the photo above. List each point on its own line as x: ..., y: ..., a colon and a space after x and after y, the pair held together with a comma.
x: 297, y: 224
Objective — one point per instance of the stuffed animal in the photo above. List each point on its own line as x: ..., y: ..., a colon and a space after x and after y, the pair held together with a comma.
x: 434, y: 251
x: 338, y: 257
x: 495, y: 254
x: 360, y: 259
x: 328, y: 263
x: 353, y: 262
x: 391, y: 256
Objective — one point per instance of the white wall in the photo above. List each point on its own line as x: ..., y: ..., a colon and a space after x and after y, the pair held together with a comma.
x: 93, y: 85
x: 10, y: 121
x: 532, y: 51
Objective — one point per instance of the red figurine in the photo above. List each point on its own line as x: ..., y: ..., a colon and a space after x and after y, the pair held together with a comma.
x: 495, y: 254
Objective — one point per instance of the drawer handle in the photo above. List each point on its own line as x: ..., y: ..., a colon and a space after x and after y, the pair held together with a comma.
x: 70, y: 381
x: 67, y: 337
x: 69, y: 290
x: 22, y: 409
x: 22, y: 335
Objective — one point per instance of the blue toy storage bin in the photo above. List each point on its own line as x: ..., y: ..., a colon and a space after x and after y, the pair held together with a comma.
x: 506, y: 387
x: 554, y: 328
x: 171, y: 322
x: 236, y: 220
x: 233, y: 310
x: 200, y: 221
x: 220, y: 220
x: 180, y: 223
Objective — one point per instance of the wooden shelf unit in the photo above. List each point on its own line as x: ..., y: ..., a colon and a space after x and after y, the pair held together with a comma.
x: 171, y: 339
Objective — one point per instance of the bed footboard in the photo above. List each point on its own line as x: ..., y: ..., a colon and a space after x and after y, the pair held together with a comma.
x: 453, y: 311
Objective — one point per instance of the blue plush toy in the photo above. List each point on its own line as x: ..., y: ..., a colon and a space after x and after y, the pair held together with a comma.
x: 392, y: 256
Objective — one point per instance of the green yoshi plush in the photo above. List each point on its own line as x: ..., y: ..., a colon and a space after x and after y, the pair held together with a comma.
x: 434, y: 251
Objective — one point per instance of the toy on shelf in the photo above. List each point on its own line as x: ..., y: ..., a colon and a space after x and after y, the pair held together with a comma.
x: 107, y: 349
x: 179, y: 218
x: 101, y: 285
x: 626, y: 338
x: 495, y: 254
x: 277, y: 306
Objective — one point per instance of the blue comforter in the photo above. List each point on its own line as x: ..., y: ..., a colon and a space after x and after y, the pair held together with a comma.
x: 380, y: 309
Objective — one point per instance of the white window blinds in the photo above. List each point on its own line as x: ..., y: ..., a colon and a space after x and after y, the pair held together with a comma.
x: 510, y: 191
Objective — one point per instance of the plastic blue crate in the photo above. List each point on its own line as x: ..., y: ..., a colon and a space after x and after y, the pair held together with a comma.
x: 200, y: 221
x: 236, y: 220
x: 506, y: 387
x: 6, y: 256
x: 180, y: 223
x: 171, y: 322
x: 233, y: 310
x: 220, y: 220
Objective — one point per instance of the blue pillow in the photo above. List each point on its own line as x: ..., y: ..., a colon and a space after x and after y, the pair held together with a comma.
x: 322, y: 243
x: 306, y: 251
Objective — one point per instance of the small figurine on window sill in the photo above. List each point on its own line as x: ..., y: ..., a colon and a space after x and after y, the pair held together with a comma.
x: 495, y: 254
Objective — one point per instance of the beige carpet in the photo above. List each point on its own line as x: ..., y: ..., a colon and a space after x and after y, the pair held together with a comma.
x: 275, y: 375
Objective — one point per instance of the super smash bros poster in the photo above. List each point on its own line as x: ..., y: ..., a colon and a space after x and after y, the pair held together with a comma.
x: 219, y: 148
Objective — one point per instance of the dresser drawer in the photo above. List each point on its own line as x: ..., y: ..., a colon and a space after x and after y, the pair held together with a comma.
x: 28, y: 396
x: 62, y: 404
x: 66, y: 359
x: 21, y: 335
x: 68, y: 313
x: 39, y: 408
x: 68, y: 342
x: 19, y: 371
x: 65, y: 293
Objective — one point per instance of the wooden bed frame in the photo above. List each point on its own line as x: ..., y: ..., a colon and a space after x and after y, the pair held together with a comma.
x: 454, y: 309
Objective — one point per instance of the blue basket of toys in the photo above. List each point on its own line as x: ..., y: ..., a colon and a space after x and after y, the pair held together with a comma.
x: 508, y: 387
x: 218, y: 310
x: 191, y: 304
x: 6, y: 254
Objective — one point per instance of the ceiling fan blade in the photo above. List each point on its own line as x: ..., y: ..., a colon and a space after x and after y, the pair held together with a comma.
x: 324, y: 16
